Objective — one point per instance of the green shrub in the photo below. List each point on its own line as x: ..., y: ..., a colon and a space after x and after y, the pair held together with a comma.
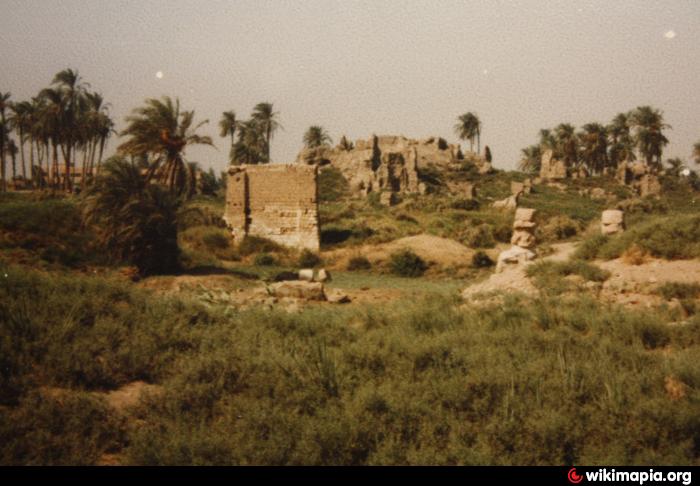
x: 481, y: 260
x: 670, y: 237
x: 547, y: 275
x: 406, y: 263
x: 308, y: 259
x: 255, y: 244
x: 679, y: 290
x: 73, y: 429
x: 589, y: 248
x: 480, y: 236
x: 465, y: 204
x: 265, y: 260
x: 359, y: 263
x: 133, y: 220
x: 216, y: 240
x: 558, y: 228
x: 503, y: 231
x: 332, y: 185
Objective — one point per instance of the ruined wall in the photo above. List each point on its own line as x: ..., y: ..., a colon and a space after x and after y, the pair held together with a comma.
x: 274, y: 201
x: 388, y: 162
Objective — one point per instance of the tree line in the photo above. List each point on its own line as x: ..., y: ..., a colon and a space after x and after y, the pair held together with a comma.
x: 65, y: 119
x: 634, y: 135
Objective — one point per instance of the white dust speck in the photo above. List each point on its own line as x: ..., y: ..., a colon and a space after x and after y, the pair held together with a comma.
x: 670, y: 34
x: 159, y: 75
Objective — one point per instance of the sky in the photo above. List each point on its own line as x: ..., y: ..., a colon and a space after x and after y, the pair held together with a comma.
x: 381, y: 67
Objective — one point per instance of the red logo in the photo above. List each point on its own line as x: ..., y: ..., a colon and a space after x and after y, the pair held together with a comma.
x: 573, y: 477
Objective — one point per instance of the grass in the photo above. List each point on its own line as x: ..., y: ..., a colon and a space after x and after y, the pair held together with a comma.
x: 675, y: 236
x: 413, y: 382
x: 549, y: 276
x: 679, y: 290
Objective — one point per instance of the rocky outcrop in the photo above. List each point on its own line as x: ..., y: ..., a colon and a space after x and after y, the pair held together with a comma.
x: 612, y: 221
x: 640, y: 177
x: 389, y: 163
x: 551, y: 168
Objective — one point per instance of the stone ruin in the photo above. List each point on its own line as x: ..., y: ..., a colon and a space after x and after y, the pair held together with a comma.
x: 274, y: 201
x: 612, y: 222
x: 389, y: 163
x: 551, y: 168
x: 523, y: 240
x: 640, y: 177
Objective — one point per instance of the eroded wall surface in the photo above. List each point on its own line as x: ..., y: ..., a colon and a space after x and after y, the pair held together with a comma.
x: 274, y: 201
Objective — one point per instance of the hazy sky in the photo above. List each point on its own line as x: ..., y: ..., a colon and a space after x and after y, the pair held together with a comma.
x: 361, y: 67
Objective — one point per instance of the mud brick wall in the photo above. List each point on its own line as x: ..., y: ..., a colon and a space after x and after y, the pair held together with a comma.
x: 275, y: 201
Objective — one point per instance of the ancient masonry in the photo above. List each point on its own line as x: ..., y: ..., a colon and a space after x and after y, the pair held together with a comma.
x: 274, y: 201
x: 389, y: 163
x: 612, y: 221
x: 523, y: 240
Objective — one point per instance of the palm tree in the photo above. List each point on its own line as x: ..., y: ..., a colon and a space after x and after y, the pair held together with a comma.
x: 49, y: 129
x: 250, y: 147
x: 21, y: 119
x: 12, y: 150
x: 468, y: 127
x: 566, y: 144
x: 696, y: 152
x: 227, y: 127
x: 264, y: 115
x: 133, y: 220
x: 4, y: 104
x: 72, y: 104
x: 648, y: 125
x: 316, y: 136
x: 594, y: 147
x: 531, y: 160
x: 675, y: 166
x: 159, y: 130
x: 621, y: 146
x: 345, y: 144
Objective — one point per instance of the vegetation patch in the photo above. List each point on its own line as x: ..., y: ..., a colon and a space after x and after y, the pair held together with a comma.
x: 406, y: 263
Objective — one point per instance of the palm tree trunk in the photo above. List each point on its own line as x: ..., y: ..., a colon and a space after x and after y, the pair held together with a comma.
x: 55, y: 178
x: 84, y: 167
x: 14, y: 166
x: 102, y: 146
x: 31, y: 156
x: 21, y: 154
x: 2, y: 165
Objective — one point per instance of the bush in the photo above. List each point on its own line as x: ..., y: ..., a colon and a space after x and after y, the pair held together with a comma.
x: 256, y: 244
x: 481, y: 260
x: 359, y: 263
x: 73, y: 429
x: 264, y: 260
x: 679, y: 290
x: 558, y: 228
x: 308, y: 259
x: 332, y: 185
x: 465, y: 204
x: 480, y: 236
x: 589, y: 248
x: 406, y: 263
x: 134, y: 221
x: 670, y: 237
x: 216, y: 240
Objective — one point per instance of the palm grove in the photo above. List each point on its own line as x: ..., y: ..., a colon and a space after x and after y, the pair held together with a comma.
x: 599, y: 148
